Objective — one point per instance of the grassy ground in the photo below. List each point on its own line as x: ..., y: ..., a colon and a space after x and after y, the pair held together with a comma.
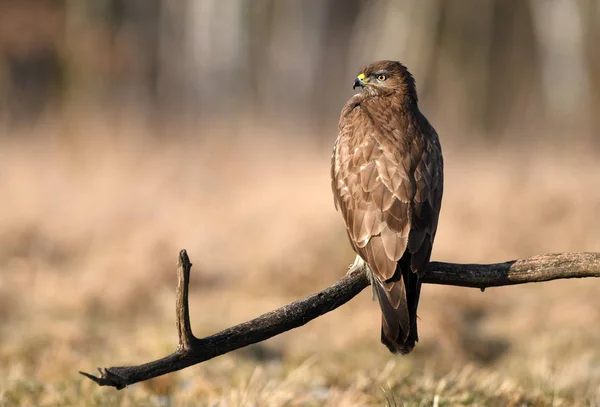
x: 89, y: 235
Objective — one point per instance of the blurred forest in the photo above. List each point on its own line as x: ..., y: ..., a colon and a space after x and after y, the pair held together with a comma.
x: 487, y: 68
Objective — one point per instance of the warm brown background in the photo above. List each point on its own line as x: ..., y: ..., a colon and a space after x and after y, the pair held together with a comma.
x: 132, y: 129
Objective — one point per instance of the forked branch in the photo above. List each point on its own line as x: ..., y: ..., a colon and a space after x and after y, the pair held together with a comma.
x: 192, y: 350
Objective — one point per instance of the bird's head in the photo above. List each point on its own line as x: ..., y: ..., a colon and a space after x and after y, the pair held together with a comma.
x: 384, y: 78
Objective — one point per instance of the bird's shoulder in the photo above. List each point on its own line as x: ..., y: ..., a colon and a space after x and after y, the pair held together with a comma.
x: 383, y: 126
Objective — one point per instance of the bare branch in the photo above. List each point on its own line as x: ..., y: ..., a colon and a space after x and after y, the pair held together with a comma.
x: 192, y: 350
x: 534, y: 269
x: 182, y: 309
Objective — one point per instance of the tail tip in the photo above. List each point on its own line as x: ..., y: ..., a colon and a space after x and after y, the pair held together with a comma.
x: 395, y: 346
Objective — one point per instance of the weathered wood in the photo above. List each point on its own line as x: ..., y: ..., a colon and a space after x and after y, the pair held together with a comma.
x: 192, y: 350
x: 534, y: 269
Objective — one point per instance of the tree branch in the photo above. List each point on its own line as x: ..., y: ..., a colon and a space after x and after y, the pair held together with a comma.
x: 192, y: 350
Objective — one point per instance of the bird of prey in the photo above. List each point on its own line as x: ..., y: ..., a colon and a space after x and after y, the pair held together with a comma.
x: 387, y: 181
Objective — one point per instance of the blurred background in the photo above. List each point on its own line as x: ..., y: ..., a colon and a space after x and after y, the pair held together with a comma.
x: 132, y: 129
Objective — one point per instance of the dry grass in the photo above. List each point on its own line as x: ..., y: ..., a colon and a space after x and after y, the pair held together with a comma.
x: 90, y: 229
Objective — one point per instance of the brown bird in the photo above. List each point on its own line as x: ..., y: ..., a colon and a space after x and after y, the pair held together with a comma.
x: 387, y: 181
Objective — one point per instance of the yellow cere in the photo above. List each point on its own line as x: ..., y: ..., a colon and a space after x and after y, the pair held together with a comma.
x: 361, y: 77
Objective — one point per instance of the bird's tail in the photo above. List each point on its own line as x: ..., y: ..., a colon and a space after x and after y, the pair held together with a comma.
x: 398, y: 301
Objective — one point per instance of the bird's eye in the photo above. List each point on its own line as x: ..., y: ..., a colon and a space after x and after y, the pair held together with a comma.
x: 381, y: 77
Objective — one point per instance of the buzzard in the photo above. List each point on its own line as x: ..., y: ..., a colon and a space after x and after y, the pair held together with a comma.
x: 387, y: 181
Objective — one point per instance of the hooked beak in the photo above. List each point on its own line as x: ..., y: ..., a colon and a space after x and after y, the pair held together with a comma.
x: 359, y: 81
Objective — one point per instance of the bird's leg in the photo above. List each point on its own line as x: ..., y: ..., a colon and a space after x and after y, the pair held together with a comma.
x: 359, y: 266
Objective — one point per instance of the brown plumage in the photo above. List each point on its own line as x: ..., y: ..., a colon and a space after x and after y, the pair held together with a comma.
x: 387, y: 181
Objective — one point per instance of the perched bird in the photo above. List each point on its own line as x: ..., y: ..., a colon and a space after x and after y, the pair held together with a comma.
x: 387, y: 181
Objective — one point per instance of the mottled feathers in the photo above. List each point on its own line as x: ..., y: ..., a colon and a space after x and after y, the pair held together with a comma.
x: 387, y: 181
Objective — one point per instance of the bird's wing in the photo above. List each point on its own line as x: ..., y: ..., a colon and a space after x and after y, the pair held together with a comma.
x: 374, y: 188
x: 426, y: 204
